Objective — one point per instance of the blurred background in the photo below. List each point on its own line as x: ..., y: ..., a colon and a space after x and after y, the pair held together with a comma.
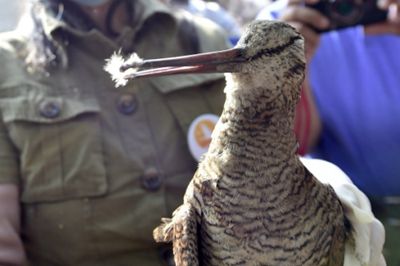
x: 243, y: 11
x: 9, y: 13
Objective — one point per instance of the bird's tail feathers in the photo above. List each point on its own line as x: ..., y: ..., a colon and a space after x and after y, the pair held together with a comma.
x: 164, y: 232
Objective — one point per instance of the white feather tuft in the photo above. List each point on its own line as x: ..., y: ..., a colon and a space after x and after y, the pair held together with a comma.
x: 113, y: 66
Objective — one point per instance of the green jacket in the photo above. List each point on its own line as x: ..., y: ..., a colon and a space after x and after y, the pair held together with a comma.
x: 98, y: 166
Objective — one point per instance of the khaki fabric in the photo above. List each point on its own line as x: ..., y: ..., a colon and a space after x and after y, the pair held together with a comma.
x: 98, y: 166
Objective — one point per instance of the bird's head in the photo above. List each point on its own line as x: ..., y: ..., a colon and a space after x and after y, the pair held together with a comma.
x: 273, y: 62
x: 268, y: 59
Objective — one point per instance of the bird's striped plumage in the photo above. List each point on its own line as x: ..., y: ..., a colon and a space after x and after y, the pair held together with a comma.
x: 251, y: 201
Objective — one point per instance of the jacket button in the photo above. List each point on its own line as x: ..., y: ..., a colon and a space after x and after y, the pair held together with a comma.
x: 127, y: 104
x: 50, y: 109
x: 151, y: 179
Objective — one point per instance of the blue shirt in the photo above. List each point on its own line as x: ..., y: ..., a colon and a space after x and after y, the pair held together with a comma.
x: 356, y: 83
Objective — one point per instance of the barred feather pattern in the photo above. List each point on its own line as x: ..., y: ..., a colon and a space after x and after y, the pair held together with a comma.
x: 283, y: 216
x: 252, y: 200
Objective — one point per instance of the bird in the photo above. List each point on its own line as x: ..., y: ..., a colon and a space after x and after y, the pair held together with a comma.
x: 251, y: 200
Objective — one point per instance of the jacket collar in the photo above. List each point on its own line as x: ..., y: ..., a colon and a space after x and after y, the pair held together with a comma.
x: 149, y: 9
x: 143, y: 10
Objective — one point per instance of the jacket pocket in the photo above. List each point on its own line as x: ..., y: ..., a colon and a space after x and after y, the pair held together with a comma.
x: 187, y: 104
x: 59, y: 142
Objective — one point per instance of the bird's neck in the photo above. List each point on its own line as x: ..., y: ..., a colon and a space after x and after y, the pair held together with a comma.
x: 253, y: 142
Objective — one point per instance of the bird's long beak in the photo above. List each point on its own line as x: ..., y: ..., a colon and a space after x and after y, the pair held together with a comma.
x: 220, y: 61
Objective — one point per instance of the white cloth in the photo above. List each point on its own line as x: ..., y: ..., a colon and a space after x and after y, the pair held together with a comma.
x: 367, y: 231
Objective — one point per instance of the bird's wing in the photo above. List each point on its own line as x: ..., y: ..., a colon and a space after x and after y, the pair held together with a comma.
x: 364, y: 248
x: 182, y: 231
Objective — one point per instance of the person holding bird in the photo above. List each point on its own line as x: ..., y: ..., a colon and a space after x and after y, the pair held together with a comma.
x: 87, y: 169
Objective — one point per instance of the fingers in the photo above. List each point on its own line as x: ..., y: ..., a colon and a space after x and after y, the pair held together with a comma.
x: 309, y: 34
x: 307, y: 21
x: 305, y: 15
x: 383, y: 28
x: 392, y: 25
x: 394, y: 13
x: 311, y: 38
x: 384, y: 4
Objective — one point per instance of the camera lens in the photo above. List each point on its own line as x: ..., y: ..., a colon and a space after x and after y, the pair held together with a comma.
x: 343, y: 8
x: 345, y: 12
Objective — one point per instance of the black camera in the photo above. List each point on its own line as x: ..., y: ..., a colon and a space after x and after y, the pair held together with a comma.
x: 346, y: 13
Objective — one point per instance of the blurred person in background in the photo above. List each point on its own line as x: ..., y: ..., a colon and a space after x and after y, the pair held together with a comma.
x: 213, y: 11
x: 232, y: 16
x: 350, y: 106
x: 87, y: 170
x: 244, y: 11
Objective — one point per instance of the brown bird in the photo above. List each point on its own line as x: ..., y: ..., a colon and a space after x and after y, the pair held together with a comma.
x: 252, y: 201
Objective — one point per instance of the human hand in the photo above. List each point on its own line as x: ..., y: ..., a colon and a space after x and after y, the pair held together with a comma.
x: 306, y: 20
x: 392, y: 24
